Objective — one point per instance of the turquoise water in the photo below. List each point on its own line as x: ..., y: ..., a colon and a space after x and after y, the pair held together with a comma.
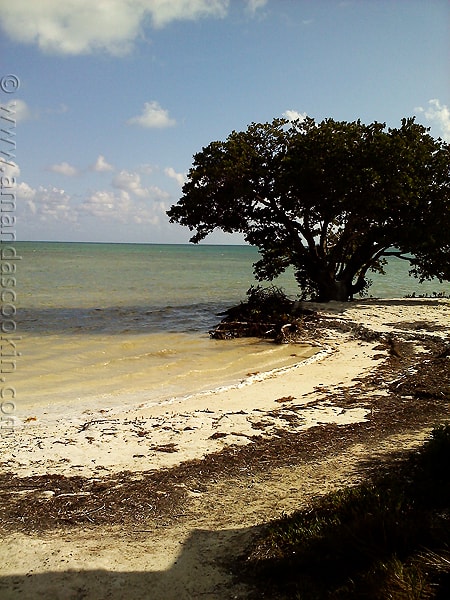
x: 104, y: 324
x: 163, y: 287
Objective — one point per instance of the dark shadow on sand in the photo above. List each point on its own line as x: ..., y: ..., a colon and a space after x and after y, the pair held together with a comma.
x: 200, y: 571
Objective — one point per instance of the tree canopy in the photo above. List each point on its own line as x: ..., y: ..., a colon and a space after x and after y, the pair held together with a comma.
x: 331, y: 199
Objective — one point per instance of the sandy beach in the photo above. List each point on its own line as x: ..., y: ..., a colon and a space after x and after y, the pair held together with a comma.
x: 266, y: 446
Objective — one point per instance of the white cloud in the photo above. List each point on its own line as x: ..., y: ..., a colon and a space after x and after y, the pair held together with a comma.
x: 25, y: 192
x: 9, y: 169
x: 152, y: 116
x: 128, y: 202
x: 119, y: 206
x: 293, y: 115
x: 156, y: 193
x: 149, y: 215
x: 59, y: 110
x: 439, y: 114
x: 254, y: 5
x: 26, y: 195
x: 17, y: 110
x: 180, y: 178
x: 101, y: 165
x: 130, y: 183
x: 55, y: 203
x: 145, y: 169
x: 47, y: 204
x: 145, y: 217
x: 64, y: 169
x: 108, y: 205
x: 164, y: 12
x: 73, y: 26
x: 83, y: 26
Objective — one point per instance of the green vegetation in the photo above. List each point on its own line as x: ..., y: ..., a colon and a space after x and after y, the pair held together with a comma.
x: 386, y: 539
x: 330, y: 199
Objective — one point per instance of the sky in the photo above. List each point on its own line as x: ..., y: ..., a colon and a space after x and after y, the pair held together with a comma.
x: 103, y: 104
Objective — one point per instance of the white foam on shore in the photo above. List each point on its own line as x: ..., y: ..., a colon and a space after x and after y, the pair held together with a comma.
x: 250, y: 380
x: 114, y: 403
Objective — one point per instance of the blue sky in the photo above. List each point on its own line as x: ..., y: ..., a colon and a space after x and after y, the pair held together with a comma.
x: 116, y: 96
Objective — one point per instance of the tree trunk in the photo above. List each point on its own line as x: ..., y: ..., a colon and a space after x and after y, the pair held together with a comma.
x: 332, y: 289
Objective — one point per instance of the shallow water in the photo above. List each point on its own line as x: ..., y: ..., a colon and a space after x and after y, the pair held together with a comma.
x: 104, y: 324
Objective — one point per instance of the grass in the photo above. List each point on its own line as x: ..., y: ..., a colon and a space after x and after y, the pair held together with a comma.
x: 389, y: 538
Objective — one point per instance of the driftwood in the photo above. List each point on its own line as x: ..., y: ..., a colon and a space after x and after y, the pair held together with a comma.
x: 269, y: 314
x: 279, y: 333
x: 227, y: 330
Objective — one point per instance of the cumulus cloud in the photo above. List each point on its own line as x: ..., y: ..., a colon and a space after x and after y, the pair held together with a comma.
x: 54, y: 203
x: 179, y: 177
x: 440, y: 115
x: 119, y: 206
x: 126, y: 201
x: 101, y: 165
x: 25, y: 192
x: 9, y: 175
x: 152, y: 116
x: 75, y: 26
x: 293, y: 115
x: 146, y: 217
x: 156, y: 193
x: 163, y: 12
x: 108, y: 205
x: 130, y: 183
x: 16, y: 110
x: 64, y: 169
x: 9, y: 169
x: 82, y: 26
x: 47, y: 204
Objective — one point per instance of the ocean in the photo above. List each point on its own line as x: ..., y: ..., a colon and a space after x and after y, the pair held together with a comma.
x: 101, y: 325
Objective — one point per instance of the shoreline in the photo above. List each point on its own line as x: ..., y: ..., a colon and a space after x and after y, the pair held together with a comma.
x: 129, y: 369
x: 137, y: 400
x: 166, y: 524
x: 153, y: 436
x: 161, y: 435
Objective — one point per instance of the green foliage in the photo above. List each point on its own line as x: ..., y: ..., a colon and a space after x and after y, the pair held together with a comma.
x: 331, y: 199
x: 387, y: 539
